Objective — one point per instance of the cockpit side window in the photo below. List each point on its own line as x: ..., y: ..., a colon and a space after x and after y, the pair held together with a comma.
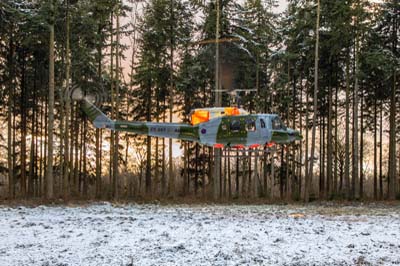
x: 277, y: 124
x: 250, y: 125
x: 235, y: 125
x: 262, y: 123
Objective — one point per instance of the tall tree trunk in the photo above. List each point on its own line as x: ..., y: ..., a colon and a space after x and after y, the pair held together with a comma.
x: 23, y: 125
x: 392, y: 186
x: 355, y: 173
x: 381, y: 153
x: 98, y: 131
x: 249, y: 177
x: 392, y: 143
x: 256, y: 171
x: 281, y: 174
x: 335, y: 181
x: 300, y: 154
x: 307, y: 186
x: 84, y: 152
x: 117, y: 106
x: 14, y: 144
x: 148, y: 143
x: 315, y: 108
x: 375, y: 152
x: 171, y: 104
x: 112, y: 83
x: 49, y: 174
x: 229, y: 175
x: 157, y: 165
x: 347, y: 133
x: 272, y: 172
x: 329, y: 183
x: 217, y: 152
x: 163, y: 176
x: 33, y: 149
x: 237, y: 164
x: 67, y: 164
x: 10, y: 139
x: 362, y: 150
x: 322, y: 160
x: 42, y: 152
x: 76, y: 148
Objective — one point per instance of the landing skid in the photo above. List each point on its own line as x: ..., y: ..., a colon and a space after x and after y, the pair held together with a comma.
x: 246, y: 152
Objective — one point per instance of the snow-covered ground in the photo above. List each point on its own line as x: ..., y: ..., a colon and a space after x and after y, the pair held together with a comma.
x: 104, y: 234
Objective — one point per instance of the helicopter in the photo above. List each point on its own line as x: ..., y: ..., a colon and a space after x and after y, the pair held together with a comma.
x: 218, y: 127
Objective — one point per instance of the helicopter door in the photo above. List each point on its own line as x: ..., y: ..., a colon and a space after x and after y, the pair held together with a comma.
x: 263, y: 132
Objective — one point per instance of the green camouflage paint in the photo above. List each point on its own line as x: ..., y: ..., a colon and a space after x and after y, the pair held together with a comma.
x: 216, y: 131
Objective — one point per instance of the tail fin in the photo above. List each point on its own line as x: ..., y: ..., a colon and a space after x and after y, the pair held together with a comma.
x: 97, y: 117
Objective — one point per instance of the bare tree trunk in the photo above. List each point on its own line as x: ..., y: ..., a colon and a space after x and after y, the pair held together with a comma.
x: 98, y: 131
x: 347, y: 133
x: 203, y: 179
x: 171, y: 106
x: 361, y: 150
x: 272, y: 186
x: 67, y: 165
x: 148, y: 145
x: 76, y: 159
x: 157, y: 166
x: 10, y: 139
x: 392, y: 186
x: 281, y: 174
x: 23, y: 126
x: 329, y: 183
x: 306, y: 178
x: 392, y: 143
x: 112, y: 134
x: 244, y: 176
x: 217, y: 152
x: 117, y: 106
x: 33, y: 149
x: 300, y: 154
x: 229, y: 175
x: 237, y: 174
x: 256, y: 179
x: 335, y: 181
x: 315, y: 108
x: 375, y: 153
x: 249, y: 187
x: 84, y: 158
x: 355, y: 174
x: 322, y: 159
x: 49, y: 174
x: 42, y: 153
x: 163, y: 177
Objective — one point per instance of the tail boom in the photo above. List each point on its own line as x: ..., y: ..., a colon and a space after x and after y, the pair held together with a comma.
x: 164, y: 130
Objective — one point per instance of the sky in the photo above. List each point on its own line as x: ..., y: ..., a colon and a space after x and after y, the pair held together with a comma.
x: 282, y: 4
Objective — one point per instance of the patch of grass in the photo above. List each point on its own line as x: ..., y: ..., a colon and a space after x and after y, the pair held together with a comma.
x: 337, y: 196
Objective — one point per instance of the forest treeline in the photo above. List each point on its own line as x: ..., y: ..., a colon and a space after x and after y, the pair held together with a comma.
x: 329, y: 68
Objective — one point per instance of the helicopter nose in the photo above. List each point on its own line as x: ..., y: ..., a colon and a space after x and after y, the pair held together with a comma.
x: 294, y: 134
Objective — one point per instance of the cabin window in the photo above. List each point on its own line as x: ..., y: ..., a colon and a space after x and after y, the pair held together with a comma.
x: 235, y: 125
x: 251, y: 125
x: 277, y: 124
x: 262, y: 122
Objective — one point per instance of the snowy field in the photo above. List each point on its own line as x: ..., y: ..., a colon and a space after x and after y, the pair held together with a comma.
x: 104, y: 234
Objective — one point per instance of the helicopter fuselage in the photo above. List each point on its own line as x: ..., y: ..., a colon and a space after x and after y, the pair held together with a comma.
x: 243, y: 130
